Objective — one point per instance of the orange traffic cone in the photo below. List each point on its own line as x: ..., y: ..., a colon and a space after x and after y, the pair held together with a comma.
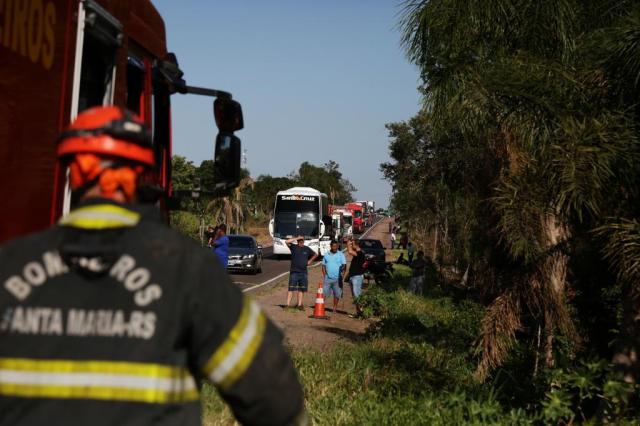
x: 318, y: 309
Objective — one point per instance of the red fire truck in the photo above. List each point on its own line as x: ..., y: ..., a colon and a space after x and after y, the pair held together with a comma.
x: 59, y: 57
x: 358, y: 216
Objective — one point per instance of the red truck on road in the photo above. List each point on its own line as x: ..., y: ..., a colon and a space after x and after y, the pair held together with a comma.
x: 358, y: 217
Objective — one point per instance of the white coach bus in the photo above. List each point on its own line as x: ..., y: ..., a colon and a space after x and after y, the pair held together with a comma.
x: 301, y: 211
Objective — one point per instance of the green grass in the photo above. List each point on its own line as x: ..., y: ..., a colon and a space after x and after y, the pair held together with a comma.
x: 415, y: 367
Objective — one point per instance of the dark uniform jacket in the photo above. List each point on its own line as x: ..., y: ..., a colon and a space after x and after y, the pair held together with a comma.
x: 112, y: 318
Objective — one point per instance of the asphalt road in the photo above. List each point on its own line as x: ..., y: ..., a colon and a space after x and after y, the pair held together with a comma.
x: 272, y: 269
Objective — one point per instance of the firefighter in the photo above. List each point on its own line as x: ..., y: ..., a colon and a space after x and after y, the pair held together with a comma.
x: 112, y: 318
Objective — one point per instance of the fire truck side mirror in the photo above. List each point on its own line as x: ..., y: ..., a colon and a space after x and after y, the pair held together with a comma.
x: 227, y: 162
x: 228, y: 115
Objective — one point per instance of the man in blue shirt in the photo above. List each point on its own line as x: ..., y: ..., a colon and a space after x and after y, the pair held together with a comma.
x: 221, y: 245
x: 333, y: 265
x: 301, y: 257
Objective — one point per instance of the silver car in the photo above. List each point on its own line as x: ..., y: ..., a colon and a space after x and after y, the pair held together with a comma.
x: 244, y: 254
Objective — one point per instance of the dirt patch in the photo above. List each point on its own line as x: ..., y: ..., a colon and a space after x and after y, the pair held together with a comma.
x: 303, y: 332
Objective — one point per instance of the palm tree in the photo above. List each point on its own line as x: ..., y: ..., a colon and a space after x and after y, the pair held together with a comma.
x: 534, y: 86
x: 231, y: 210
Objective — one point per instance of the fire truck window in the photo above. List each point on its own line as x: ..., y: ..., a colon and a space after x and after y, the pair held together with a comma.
x: 135, y: 83
x: 98, y: 61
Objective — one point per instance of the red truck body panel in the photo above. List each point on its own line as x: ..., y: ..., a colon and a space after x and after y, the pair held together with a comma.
x: 37, y: 53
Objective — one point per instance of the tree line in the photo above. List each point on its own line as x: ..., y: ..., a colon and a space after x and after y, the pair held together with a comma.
x: 254, y: 198
x: 523, y: 169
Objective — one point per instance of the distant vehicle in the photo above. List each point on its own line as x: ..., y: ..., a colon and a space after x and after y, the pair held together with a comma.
x: 301, y: 211
x: 371, y: 207
x: 365, y: 213
x: 245, y: 254
x: 373, y: 250
x: 358, y: 223
x: 337, y: 221
x: 348, y: 223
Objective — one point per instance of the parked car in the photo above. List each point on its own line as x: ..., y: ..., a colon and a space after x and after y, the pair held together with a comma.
x: 373, y: 250
x: 244, y: 254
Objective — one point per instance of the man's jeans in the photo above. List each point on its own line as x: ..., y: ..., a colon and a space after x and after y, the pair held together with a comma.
x: 333, y: 285
x: 356, y: 285
x: 416, y: 284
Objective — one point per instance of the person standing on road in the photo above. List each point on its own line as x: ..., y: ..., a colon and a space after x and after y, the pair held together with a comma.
x: 333, y: 264
x: 416, y: 284
x: 134, y: 316
x: 356, y: 272
x: 221, y: 245
x: 211, y: 235
x: 301, y: 258
x: 393, y: 239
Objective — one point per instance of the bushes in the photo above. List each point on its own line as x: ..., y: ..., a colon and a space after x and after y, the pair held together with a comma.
x: 416, y: 367
x: 186, y: 223
x: 587, y: 391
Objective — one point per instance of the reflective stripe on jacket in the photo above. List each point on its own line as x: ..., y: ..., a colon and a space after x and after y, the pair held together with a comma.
x: 111, y: 317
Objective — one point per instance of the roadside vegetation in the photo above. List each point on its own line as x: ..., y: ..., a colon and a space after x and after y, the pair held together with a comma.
x: 249, y: 207
x: 520, y: 178
x: 416, y: 366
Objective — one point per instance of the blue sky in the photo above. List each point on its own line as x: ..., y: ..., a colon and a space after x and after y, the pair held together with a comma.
x: 317, y: 81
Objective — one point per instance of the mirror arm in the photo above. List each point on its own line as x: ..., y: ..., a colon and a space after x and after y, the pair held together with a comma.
x: 208, y: 92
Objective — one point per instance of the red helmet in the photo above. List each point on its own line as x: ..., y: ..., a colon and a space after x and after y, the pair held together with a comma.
x: 108, y: 131
x: 108, y: 146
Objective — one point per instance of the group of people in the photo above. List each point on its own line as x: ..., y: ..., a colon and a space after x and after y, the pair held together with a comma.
x: 418, y: 266
x: 334, y: 271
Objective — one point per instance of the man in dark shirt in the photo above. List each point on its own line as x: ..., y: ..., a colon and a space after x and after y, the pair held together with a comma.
x: 301, y: 257
x: 356, y: 271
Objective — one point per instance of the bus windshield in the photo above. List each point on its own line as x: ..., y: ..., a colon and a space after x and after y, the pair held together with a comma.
x: 290, y: 224
x: 296, y: 215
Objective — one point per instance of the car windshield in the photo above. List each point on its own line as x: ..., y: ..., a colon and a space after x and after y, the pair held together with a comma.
x: 370, y: 244
x: 289, y: 224
x: 241, y: 242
